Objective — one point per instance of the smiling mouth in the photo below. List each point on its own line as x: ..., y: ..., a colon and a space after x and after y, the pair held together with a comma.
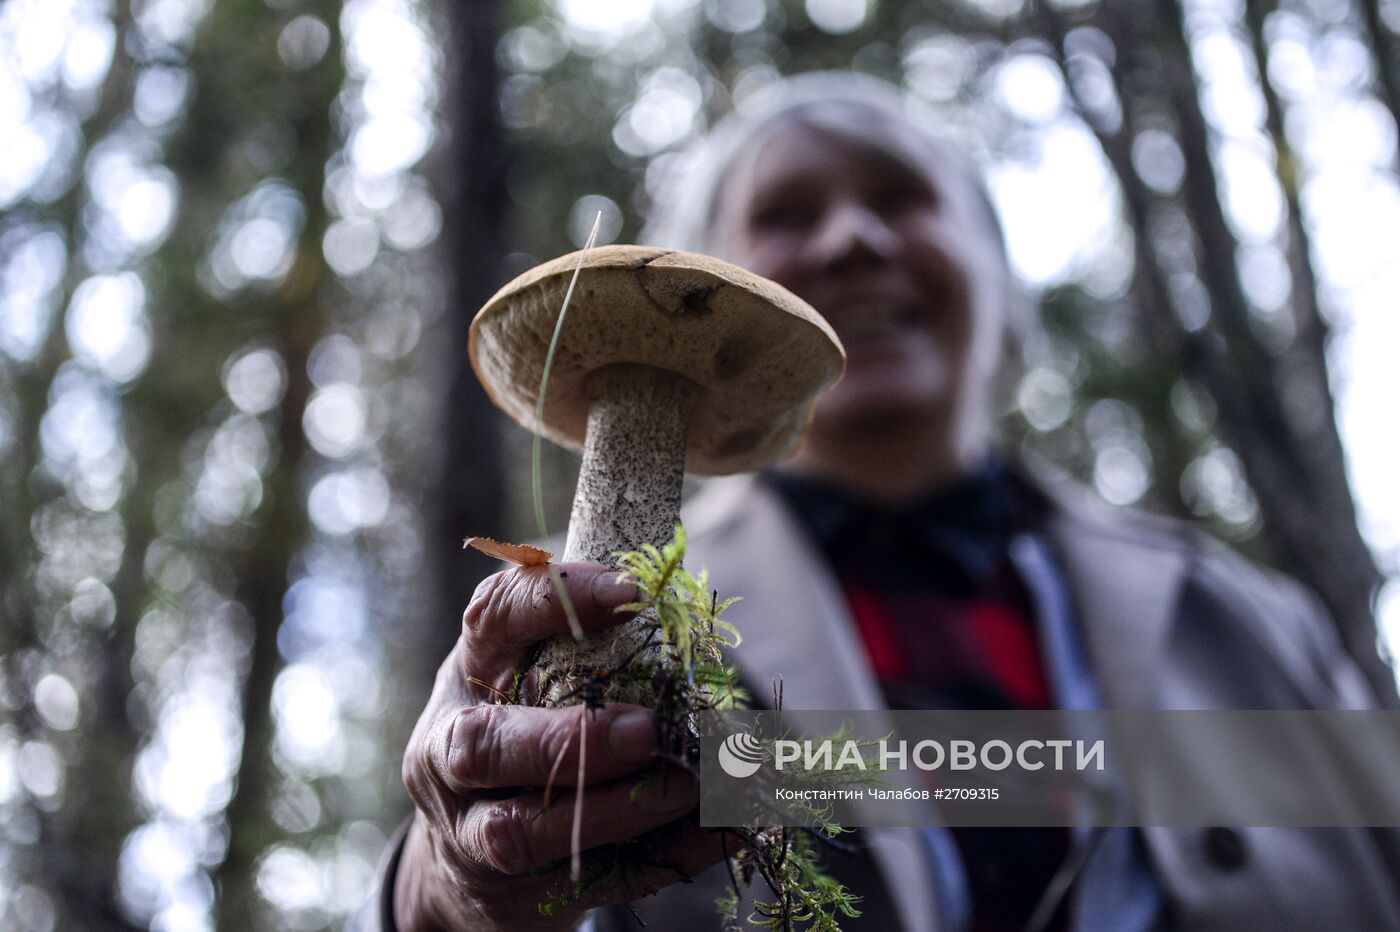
x: 870, y: 322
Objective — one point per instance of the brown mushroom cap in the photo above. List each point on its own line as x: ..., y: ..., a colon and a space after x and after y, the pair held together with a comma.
x: 759, y: 354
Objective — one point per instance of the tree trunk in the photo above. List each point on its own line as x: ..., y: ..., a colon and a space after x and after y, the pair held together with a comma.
x: 295, y: 320
x: 469, y: 493
x: 1377, y: 35
x: 1294, y: 465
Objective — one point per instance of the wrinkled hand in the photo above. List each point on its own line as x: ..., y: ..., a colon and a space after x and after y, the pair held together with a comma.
x: 484, y: 852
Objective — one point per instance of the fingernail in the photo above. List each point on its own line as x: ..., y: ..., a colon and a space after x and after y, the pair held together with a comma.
x: 613, y: 589
x: 632, y: 735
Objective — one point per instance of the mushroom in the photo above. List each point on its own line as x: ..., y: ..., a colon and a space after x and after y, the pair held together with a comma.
x: 668, y: 362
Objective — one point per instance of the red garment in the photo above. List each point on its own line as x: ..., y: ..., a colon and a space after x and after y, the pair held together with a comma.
x: 932, y: 649
x: 973, y: 651
x: 947, y: 625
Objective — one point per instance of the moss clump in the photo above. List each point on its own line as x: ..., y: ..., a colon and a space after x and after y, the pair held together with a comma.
x: 680, y: 665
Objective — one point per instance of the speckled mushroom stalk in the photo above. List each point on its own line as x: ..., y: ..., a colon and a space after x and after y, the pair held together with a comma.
x: 629, y: 494
x: 629, y: 484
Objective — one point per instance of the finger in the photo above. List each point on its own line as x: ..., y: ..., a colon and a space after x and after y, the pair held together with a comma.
x: 671, y: 854
x: 516, y: 835
x: 493, y: 746
x: 676, y: 854
x: 515, y: 609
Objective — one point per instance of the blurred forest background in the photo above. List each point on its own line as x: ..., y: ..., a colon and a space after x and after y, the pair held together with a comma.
x: 240, y: 445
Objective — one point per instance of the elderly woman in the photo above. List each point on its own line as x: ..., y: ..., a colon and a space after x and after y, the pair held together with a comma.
x: 897, y: 560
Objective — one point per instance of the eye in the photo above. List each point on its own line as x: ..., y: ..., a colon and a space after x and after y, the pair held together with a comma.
x: 783, y: 217
x: 902, y: 197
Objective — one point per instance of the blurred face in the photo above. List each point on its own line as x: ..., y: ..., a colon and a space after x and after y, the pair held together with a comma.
x: 902, y: 260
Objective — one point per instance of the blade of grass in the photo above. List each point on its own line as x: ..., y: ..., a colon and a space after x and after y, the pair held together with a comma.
x: 537, y: 487
x: 576, y: 833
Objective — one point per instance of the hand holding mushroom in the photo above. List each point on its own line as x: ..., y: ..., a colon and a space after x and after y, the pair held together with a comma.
x: 475, y: 769
x: 668, y: 362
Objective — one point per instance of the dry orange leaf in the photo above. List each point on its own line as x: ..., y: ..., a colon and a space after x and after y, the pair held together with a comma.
x: 519, y: 554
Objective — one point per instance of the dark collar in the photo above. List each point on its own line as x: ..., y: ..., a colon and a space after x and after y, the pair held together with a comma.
x: 955, y: 538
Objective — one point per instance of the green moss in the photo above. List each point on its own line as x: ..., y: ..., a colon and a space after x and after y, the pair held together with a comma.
x: 692, y: 676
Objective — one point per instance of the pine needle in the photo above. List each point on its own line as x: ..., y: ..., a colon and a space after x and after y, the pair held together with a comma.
x: 537, y: 488
x: 537, y: 485
x: 576, y: 837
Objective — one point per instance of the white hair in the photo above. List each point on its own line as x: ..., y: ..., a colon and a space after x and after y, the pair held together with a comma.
x: 850, y: 106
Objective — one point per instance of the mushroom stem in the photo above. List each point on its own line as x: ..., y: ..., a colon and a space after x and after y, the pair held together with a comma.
x: 629, y: 494
x: 629, y: 486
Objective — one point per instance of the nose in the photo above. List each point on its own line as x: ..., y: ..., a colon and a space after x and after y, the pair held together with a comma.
x: 852, y: 234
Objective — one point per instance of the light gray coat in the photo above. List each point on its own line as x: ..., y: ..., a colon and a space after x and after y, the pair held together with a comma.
x: 1170, y: 619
